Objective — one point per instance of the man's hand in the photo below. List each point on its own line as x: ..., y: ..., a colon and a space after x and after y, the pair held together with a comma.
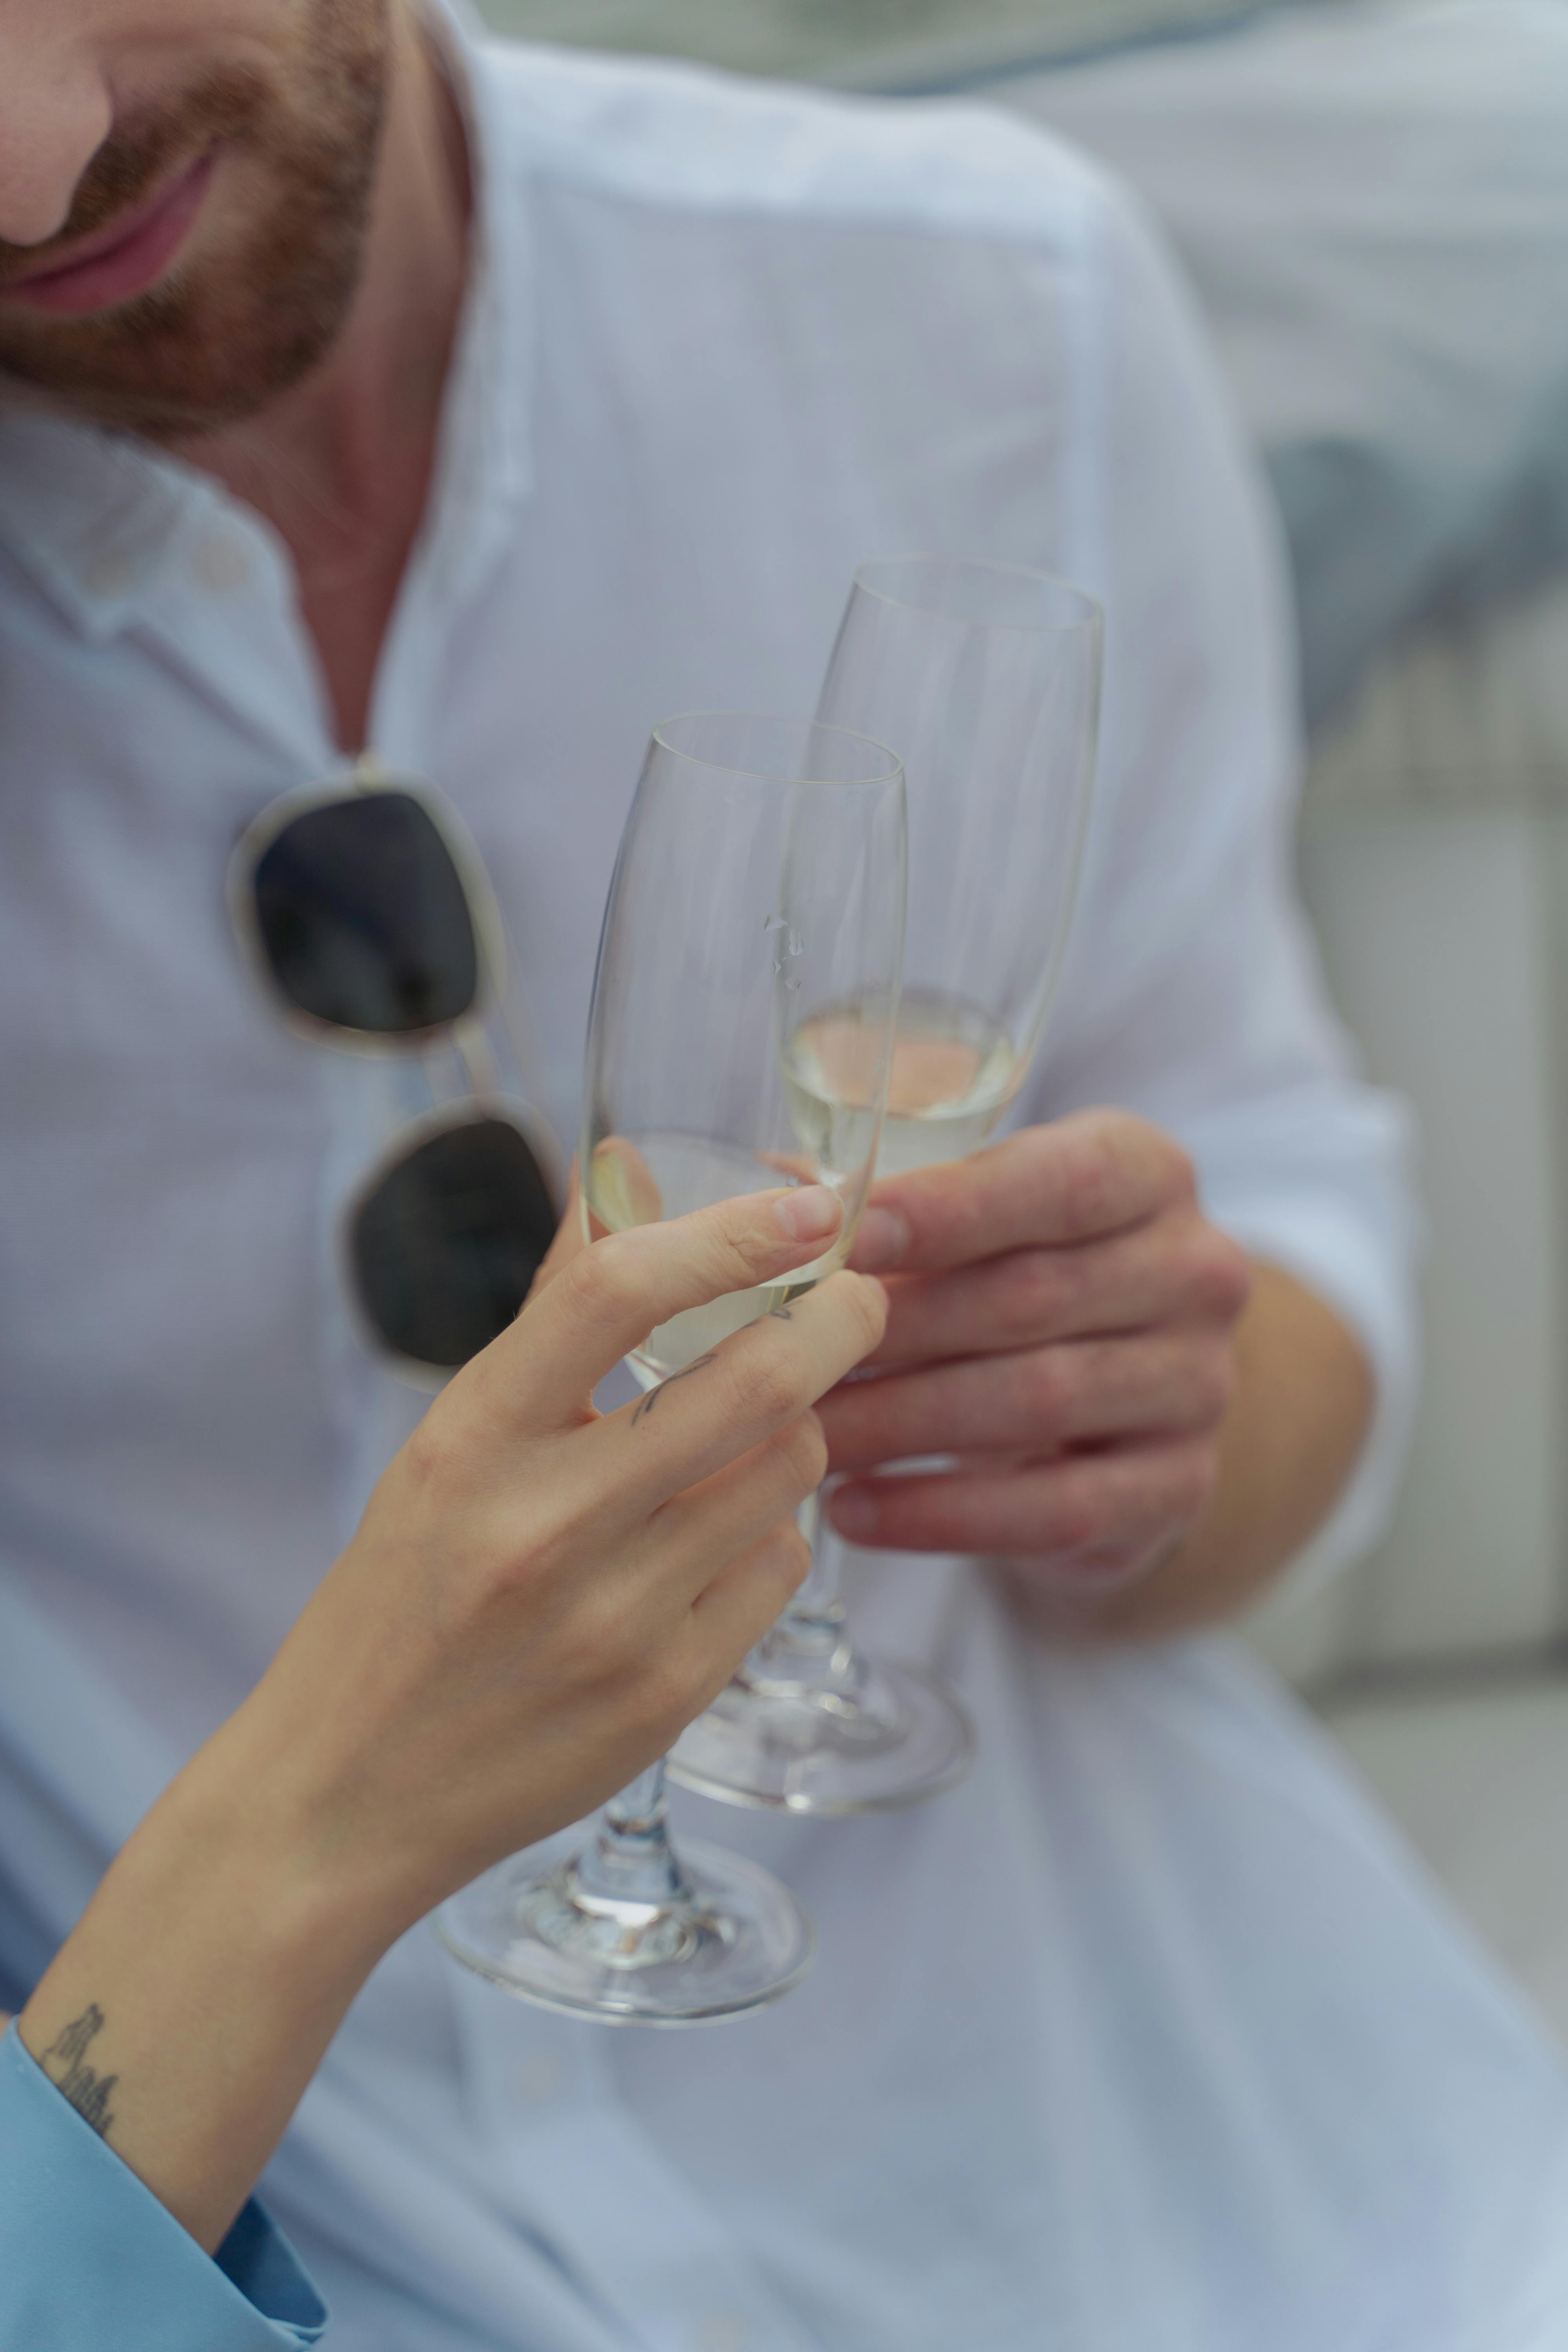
x: 1064, y: 1323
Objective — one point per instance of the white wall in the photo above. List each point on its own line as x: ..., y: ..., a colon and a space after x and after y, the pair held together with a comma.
x: 1443, y: 933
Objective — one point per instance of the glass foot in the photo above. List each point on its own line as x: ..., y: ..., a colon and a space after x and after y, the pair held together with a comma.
x: 725, y: 1939
x: 896, y: 1737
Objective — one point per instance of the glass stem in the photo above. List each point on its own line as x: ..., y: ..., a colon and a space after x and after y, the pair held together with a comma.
x: 808, y: 1644
x: 631, y: 1859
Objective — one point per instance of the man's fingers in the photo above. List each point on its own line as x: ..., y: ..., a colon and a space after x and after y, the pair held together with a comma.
x: 1083, y: 1390
x: 1093, y: 1173
x: 758, y: 1383
x: 1163, y: 1269
x: 610, y: 1296
x: 1084, y: 1507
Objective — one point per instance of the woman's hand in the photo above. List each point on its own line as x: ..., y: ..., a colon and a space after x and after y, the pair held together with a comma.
x: 537, y: 1600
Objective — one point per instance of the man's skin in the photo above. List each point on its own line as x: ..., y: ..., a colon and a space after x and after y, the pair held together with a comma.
x: 1147, y: 1426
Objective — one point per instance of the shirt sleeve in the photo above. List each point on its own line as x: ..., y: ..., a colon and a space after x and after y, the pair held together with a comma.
x: 90, y: 2259
x: 1193, y: 991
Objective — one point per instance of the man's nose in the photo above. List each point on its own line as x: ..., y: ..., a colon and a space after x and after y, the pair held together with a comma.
x: 56, y: 110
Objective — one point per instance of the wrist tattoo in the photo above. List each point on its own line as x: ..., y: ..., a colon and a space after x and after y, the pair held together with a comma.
x: 653, y: 1396
x: 82, y: 2084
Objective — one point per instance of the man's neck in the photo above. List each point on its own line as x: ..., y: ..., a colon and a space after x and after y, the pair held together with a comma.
x: 342, y: 466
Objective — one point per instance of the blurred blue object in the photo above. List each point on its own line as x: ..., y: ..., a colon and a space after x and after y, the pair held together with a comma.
x: 1372, y: 199
x: 887, y: 45
x: 1372, y: 202
x: 25, y: 1949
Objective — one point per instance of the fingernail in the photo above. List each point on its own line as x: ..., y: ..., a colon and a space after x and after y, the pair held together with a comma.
x: 881, y: 1288
x: 854, y: 1514
x: 883, y: 1239
x: 809, y: 1215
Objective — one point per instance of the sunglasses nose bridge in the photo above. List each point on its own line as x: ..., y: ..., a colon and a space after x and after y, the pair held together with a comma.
x: 361, y: 914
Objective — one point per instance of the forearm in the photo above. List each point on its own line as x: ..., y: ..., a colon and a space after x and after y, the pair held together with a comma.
x: 537, y: 1600
x: 1297, y: 1420
x: 187, y: 2013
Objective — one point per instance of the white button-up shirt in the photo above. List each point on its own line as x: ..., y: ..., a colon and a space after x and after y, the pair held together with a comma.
x: 1147, y: 2036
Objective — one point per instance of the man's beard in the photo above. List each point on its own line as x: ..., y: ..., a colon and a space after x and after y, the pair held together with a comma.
x: 216, y: 340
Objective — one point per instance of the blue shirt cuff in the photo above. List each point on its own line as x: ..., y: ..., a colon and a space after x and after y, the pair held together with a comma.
x: 89, y: 2258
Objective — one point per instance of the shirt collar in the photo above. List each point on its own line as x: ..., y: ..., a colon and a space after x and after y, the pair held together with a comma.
x: 95, y: 517
x: 485, y: 463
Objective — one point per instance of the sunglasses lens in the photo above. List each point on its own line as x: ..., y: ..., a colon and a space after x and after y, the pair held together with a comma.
x: 363, y: 917
x: 446, y: 1246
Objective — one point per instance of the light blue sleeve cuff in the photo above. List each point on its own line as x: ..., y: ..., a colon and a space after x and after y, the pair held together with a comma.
x: 89, y: 2258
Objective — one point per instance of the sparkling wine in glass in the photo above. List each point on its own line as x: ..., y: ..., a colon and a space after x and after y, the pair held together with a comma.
x: 985, y: 677
x: 760, y: 885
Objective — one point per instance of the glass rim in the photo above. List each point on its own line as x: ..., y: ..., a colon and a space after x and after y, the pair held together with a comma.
x: 1090, y: 611
x: 891, y: 773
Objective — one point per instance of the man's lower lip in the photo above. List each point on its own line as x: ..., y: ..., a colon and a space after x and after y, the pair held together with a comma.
x: 126, y: 268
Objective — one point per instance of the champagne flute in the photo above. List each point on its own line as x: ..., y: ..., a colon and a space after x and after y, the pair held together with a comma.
x: 987, y: 678
x: 760, y: 884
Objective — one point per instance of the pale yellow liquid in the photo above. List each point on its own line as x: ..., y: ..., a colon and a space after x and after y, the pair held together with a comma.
x: 954, y: 1073
x: 637, y: 1179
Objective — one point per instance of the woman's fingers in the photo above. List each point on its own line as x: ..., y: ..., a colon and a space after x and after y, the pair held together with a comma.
x: 697, y: 1658
x: 606, y: 1301
x: 688, y: 1652
x: 570, y: 1239
x: 755, y: 1385
x: 737, y: 1608
x: 711, y: 1525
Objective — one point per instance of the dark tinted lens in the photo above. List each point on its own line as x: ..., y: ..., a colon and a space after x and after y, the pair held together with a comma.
x: 363, y: 917
x: 446, y: 1246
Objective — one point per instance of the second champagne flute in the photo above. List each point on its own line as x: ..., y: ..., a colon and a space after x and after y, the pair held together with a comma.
x: 985, y: 677
x: 760, y: 883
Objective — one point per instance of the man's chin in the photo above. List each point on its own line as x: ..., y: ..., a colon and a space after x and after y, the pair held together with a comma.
x: 150, y: 414
x: 169, y: 365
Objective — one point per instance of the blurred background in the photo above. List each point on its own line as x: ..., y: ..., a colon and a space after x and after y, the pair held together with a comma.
x: 1371, y: 202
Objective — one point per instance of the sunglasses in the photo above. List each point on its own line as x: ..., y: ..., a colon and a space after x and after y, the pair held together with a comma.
x: 365, y: 913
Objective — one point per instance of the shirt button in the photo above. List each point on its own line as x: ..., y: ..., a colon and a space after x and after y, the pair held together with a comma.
x: 221, y: 563
x: 721, y: 2331
x: 542, y: 2075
